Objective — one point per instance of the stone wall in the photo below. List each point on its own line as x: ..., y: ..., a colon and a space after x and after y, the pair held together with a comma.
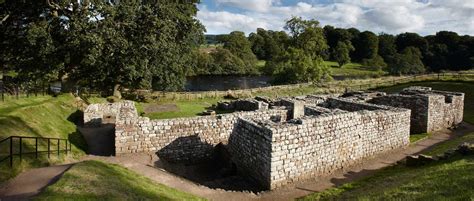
x: 430, y: 110
x: 417, y: 104
x: 96, y: 114
x: 182, y: 139
x: 251, y: 146
x: 445, y: 110
x: 318, y: 145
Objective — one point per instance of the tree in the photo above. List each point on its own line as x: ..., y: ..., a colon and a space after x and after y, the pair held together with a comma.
x: 226, y: 63
x: 240, y: 46
x: 408, y: 62
x: 366, y: 46
x: 341, y: 53
x: 387, y: 47
x: 296, y: 66
x: 308, y: 36
x: 267, y: 44
x: 333, y: 37
x: 128, y: 43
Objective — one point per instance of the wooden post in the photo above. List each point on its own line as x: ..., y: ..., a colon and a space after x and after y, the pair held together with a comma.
x: 49, y: 148
x: 11, y: 151
x: 36, y: 147
x: 21, y: 139
x: 66, y: 146
x: 58, y: 146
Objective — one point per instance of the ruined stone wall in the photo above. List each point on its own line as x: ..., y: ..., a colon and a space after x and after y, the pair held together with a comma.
x: 430, y: 110
x: 250, y: 145
x: 417, y: 104
x: 182, y: 139
x: 445, y: 110
x: 318, y: 145
x: 95, y: 114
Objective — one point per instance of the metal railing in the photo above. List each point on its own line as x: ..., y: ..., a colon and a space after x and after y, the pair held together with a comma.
x: 21, y: 139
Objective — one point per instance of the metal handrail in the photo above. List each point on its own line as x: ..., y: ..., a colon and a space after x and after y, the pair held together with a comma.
x: 66, y: 142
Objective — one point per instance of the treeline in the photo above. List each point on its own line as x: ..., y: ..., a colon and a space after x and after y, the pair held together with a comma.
x: 105, y: 45
x: 406, y: 53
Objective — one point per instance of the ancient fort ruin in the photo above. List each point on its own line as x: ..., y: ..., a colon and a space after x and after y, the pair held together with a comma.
x: 276, y: 142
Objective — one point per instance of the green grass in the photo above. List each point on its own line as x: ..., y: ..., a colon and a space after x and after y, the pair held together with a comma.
x: 353, y: 70
x: 186, y: 108
x: 417, y: 137
x: 450, y: 144
x: 42, y: 116
x: 94, y: 180
x: 445, y: 180
x: 465, y: 87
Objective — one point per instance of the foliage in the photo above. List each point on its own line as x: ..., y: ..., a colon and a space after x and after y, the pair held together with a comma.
x: 295, y: 66
x: 133, y: 44
x: 377, y: 63
x: 239, y: 45
x: 342, y: 53
x: 267, y: 44
x: 366, y: 46
x: 227, y: 63
x: 94, y: 180
x: 408, y: 62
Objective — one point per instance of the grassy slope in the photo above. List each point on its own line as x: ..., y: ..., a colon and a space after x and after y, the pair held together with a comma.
x: 451, y: 179
x: 43, y: 116
x: 93, y: 180
x: 465, y: 87
x: 352, y: 69
x: 448, y: 179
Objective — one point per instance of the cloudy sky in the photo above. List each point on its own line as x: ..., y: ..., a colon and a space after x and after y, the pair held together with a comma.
x: 390, y: 16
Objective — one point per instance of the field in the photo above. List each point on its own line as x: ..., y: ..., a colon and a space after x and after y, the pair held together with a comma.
x: 42, y: 116
x: 94, y: 180
x: 355, y: 70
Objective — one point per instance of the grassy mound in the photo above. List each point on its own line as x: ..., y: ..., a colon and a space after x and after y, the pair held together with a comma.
x: 444, y: 180
x: 93, y: 180
x: 42, y: 116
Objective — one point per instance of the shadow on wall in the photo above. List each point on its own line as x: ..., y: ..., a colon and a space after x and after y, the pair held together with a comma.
x: 196, y: 160
x: 186, y: 150
x: 100, y: 140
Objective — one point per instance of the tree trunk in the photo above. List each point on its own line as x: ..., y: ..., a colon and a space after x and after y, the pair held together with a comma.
x: 117, y: 93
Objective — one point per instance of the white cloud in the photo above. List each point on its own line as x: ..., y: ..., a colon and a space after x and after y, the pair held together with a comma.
x: 255, y: 5
x: 424, y: 17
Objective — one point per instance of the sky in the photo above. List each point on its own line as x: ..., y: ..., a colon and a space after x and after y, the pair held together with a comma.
x: 425, y: 17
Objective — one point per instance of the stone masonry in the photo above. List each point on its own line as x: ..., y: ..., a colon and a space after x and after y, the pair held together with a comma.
x: 288, y: 139
x: 430, y: 110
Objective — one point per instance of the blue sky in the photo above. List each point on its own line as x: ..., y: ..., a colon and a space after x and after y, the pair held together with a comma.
x: 389, y: 16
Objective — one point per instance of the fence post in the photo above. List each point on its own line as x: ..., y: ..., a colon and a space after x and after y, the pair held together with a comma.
x: 49, y: 147
x: 58, y: 146
x: 2, y: 90
x: 66, y: 146
x: 11, y: 151
x: 36, y: 147
x: 21, y: 139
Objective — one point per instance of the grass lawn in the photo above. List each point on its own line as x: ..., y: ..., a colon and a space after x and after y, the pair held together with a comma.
x: 186, y: 108
x: 417, y: 137
x: 353, y: 70
x: 446, y: 180
x: 94, y: 180
x: 42, y: 116
x: 451, y: 144
x: 465, y: 87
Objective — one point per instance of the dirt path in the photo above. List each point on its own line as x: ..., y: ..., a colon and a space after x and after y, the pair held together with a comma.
x: 31, y: 182
x: 142, y: 164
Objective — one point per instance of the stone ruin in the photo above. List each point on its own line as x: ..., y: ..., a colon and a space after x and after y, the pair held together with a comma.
x: 280, y: 141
